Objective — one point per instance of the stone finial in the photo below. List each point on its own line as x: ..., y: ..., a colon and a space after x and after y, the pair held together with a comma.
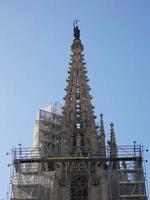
x: 112, y: 126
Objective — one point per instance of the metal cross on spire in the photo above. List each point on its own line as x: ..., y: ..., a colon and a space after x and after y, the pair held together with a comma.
x: 75, y: 22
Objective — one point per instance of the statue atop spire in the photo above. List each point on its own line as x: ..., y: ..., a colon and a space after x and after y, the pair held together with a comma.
x: 76, y: 31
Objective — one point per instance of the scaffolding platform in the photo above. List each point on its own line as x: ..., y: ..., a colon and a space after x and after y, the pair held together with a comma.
x: 35, y: 173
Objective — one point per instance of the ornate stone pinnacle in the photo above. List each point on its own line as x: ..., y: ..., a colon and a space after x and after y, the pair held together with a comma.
x: 101, y: 124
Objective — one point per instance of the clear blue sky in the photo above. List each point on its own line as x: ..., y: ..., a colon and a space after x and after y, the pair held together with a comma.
x: 35, y: 39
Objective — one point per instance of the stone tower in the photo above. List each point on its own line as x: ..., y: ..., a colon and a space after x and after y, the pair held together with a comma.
x: 70, y: 159
x: 79, y: 136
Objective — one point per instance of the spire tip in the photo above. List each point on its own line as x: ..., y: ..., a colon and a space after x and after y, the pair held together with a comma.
x: 111, y: 125
x: 101, y: 115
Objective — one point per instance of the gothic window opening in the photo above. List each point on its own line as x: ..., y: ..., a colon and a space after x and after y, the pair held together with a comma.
x: 78, y: 125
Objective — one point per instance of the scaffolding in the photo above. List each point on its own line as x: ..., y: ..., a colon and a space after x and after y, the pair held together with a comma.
x: 47, y: 129
x: 36, y: 173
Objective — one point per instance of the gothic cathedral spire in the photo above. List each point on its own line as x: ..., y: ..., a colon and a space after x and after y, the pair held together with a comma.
x: 79, y: 136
